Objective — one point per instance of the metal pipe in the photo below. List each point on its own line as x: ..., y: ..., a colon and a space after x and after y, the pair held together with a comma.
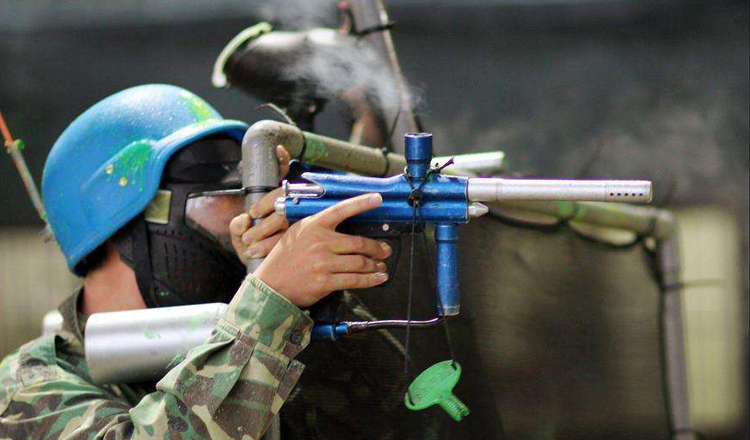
x: 260, y: 171
x: 672, y: 331
x: 493, y: 189
x: 473, y: 164
x: 333, y: 153
x: 260, y: 174
x: 650, y: 222
x: 340, y: 155
x: 139, y: 345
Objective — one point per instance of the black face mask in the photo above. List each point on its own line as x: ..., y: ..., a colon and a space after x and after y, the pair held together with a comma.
x: 175, y: 260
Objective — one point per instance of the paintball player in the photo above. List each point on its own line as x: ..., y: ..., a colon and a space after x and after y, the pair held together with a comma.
x: 143, y: 194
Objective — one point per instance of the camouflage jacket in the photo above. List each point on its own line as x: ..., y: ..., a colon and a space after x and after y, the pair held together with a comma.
x: 228, y: 388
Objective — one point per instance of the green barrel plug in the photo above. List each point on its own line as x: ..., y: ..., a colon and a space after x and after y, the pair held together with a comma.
x: 435, y: 386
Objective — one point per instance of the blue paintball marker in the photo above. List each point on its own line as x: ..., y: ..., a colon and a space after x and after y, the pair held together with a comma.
x: 421, y: 195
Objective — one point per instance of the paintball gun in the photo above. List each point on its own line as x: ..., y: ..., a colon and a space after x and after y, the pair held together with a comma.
x: 421, y: 195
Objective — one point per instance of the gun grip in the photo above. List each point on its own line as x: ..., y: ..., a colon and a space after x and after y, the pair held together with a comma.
x: 388, y: 233
x: 327, y: 310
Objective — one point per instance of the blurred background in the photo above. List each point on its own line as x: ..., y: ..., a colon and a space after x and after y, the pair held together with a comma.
x: 655, y: 90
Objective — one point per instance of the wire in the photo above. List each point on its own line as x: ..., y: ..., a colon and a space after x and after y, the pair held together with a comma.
x: 361, y: 326
x: 278, y: 110
x: 410, y: 292
x: 377, y: 28
x: 592, y: 159
x: 388, y: 146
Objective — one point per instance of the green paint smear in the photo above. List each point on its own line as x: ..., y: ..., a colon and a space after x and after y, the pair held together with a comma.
x: 315, y: 149
x: 150, y: 334
x: 198, y: 320
x: 132, y: 161
x: 566, y: 209
x: 198, y: 107
x: 176, y: 359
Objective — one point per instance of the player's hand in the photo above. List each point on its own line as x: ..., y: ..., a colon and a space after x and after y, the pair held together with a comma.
x: 256, y: 241
x: 311, y: 260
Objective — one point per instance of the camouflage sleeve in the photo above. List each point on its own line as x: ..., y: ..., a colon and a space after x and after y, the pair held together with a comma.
x: 227, y: 388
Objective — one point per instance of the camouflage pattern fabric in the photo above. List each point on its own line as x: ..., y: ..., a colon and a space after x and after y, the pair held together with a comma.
x: 228, y: 388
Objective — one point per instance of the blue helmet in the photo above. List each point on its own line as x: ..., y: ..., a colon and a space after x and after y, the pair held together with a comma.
x: 107, y: 165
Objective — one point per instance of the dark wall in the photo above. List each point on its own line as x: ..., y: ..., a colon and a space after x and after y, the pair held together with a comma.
x: 618, y: 91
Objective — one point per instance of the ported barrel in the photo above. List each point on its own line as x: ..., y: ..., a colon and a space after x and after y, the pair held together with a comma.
x: 495, y: 190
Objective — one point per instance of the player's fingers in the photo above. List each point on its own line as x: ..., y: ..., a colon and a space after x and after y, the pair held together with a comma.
x: 344, y: 281
x: 265, y: 228
x: 264, y: 206
x: 263, y: 247
x: 354, y: 244
x: 284, y: 159
x: 355, y: 264
x: 237, y: 227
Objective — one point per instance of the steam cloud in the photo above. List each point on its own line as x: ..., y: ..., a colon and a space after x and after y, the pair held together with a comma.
x: 335, y: 69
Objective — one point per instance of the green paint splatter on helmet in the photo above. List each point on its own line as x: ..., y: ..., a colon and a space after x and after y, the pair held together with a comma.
x: 130, y: 165
x: 199, y: 108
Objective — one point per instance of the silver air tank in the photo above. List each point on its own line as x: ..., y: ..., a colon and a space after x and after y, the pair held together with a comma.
x: 140, y: 345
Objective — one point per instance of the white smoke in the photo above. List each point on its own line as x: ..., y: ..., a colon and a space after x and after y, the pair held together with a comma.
x: 338, y: 69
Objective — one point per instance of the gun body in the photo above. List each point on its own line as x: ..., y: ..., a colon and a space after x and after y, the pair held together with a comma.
x: 422, y: 195
x: 444, y: 198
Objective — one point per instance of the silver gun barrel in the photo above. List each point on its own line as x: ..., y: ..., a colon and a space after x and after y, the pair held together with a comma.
x: 495, y: 190
x: 138, y: 345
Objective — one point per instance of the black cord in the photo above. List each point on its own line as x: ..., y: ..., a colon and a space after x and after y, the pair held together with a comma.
x: 592, y: 159
x: 388, y: 146
x: 410, y: 292
x: 278, y: 111
x: 372, y: 29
